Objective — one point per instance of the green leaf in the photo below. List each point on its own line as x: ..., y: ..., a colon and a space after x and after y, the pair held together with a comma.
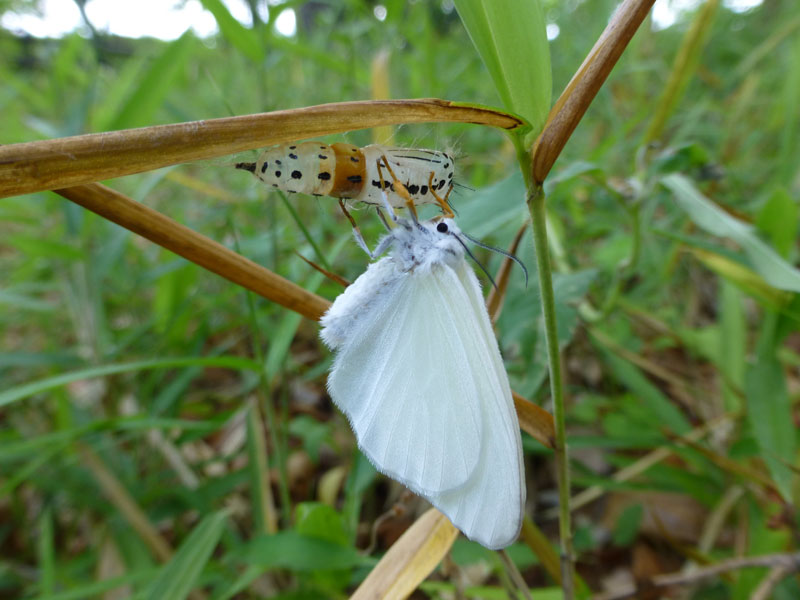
x: 177, y: 578
x: 745, y: 279
x: 762, y: 539
x: 43, y: 385
x: 318, y: 520
x: 778, y: 219
x: 496, y: 210
x: 292, y: 550
x: 240, y: 37
x: 312, y: 432
x: 704, y: 213
x: 511, y: 37
x: 27, y: 303
x: 769, y: 409
x: 663, y: 412
x: 36, y: 246
x: 519, y: 344
x: 322, y: 522
x: 156, y: 84
x: 96, y: 589
x: 627, y: 525
x: 361, y: 476
x: 258, y: 469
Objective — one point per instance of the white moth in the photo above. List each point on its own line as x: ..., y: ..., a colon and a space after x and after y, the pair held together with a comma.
x: 419, y: 375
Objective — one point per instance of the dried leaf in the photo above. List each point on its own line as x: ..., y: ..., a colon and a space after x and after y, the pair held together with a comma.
x: 411, y: 559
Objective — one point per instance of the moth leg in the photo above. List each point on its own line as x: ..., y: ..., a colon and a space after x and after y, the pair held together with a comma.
x: 356, y: 231
x: 400, y: 189
x: 382, y: 218
x: 385, y: 199
x: 443, y: 203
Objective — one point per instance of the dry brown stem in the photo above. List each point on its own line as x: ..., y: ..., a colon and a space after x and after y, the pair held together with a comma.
x: 197, y: 248
x: 584, y: 85
x: 494, y: 301
x: 65, y: 162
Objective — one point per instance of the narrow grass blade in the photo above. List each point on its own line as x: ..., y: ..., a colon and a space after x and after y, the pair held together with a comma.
x: 180, y: 575
x: 155, y: 84
x: 292, y: 550
x: 240, y: 37
x: 29, y: 389
x: 683, y: 68
x: 266, y: 517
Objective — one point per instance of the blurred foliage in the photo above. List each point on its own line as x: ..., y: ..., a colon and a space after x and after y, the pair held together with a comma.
x: 677, y: 308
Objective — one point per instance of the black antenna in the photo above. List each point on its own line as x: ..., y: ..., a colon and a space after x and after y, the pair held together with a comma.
x: 499, y: 251
x: 477, y: 262
x: 245, y: 166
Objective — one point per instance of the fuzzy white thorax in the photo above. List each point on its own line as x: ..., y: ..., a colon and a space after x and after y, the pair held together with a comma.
x: 414, y: 247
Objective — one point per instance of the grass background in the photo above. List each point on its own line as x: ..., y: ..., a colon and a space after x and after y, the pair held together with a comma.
x: 216, y: 408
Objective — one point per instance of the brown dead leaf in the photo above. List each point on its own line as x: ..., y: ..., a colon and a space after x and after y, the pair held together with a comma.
x: 82, y: 159
x: 410, y: 560
x: 535, y: 420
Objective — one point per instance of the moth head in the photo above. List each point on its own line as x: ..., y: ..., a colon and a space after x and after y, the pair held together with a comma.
x: 446, y: 239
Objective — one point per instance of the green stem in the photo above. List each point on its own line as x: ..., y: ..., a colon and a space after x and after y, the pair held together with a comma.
x: 536, y: 207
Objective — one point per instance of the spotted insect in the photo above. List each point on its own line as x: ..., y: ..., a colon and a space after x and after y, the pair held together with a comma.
x: 358, y: 174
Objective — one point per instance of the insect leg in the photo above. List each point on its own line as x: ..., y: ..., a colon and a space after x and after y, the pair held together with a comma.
x: 385, y: 199
x: 356, y: 231
x: 399, y: 188
x: 443, y: 203
x: 382, y: 218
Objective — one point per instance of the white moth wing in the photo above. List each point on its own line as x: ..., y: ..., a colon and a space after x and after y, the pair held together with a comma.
x: 410, y: 384
x: 502, y: 404
x: 490, y: 506
x: 365, y: 295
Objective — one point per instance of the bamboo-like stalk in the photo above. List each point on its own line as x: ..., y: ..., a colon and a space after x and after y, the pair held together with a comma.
x: 538, y: 220
x: 561, y: 122
x: 207, y: 253
x: 584, y: 85
x: 65, y: 162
